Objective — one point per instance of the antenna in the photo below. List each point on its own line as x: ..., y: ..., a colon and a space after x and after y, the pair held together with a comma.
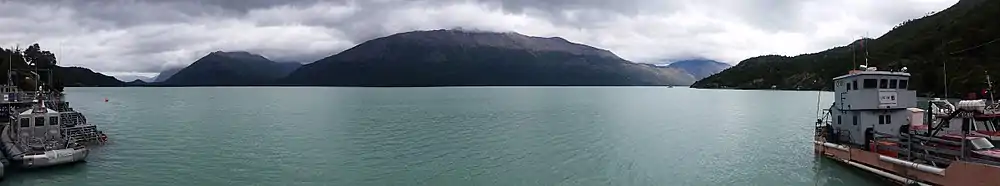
x: 863, y: 38
x: 944, y: 69
x: 10, y: 61
x: 989, y: 84
x: 819, y: 95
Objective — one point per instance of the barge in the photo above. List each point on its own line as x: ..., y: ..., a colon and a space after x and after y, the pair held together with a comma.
x: 874, y: 125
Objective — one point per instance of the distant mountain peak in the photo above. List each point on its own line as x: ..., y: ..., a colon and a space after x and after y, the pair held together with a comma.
x: 166, y: 73
x: 241, y: 55
x: 700, y: 68
x: 230, y: 68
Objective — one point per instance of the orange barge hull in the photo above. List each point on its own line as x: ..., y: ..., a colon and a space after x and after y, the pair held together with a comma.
x: 958, y: 173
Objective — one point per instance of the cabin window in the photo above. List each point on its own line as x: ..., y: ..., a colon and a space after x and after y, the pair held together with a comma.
x: 39, y: 121
x: 838, y: 120
x: 966, y: 123
x: 983, y: 125
x: 855, y: 119
x: 903, y: 84
x: 884, y: 119
x: 871, y: 83
x: 25, y: 122
x: 883, y: 84
x: 848, y: 87
x: 53, y: 120
x: 892, y: 83
x: 855, y: 84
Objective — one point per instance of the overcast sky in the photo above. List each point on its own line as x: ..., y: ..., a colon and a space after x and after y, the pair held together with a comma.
x: 143, y: 37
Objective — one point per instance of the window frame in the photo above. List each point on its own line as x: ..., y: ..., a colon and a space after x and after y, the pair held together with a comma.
x: 25, y: 122
x: 870, y: 83
x: 40, y: 118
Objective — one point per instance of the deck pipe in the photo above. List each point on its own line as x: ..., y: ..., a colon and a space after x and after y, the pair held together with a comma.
x: 905, y: 181
x: 921, y: 167
x: 917, y: 166
x: 831, y: 145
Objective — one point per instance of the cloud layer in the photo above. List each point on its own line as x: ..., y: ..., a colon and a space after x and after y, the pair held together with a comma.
x: 144, y: 37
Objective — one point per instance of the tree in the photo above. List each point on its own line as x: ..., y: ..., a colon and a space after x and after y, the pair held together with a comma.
x: 39, y: 58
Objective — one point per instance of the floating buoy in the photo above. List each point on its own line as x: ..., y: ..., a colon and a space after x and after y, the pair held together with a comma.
x: 104, y: 138
x: 105, y: 99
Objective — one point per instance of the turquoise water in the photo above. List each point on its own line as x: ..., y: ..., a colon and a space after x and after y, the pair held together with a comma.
x: 449, y: 136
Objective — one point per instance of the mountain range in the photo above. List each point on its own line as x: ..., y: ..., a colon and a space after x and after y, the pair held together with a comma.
x: 421, y: 58
x: 439, y: 58
x: 961, y: 40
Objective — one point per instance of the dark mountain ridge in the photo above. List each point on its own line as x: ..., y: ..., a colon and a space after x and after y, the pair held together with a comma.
x: 463, y: 58
x: 230, y: 69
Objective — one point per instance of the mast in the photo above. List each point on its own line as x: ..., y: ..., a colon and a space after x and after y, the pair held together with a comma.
x: 989, y: 85
x: 944, y: 70
x: 865, y: 48
x: 10, y: 61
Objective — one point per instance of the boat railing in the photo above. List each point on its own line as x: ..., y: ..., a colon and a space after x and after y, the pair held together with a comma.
x: 27, y: 96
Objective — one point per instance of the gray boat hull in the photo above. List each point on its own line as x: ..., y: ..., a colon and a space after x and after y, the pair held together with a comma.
x: 53, y: 157
x: 42, y: 159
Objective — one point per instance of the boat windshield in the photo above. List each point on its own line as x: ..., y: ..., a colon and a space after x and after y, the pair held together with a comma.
x: 995, y: 123
x: 981, y: 143
x: 987, y: 125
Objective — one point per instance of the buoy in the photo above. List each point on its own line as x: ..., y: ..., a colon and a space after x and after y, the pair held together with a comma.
x: 105, y: 99
x: 104, y: 138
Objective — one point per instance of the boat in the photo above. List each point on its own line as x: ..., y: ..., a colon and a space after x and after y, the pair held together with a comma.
x: 982, y: 118
x: 874, y: 125
x: 34, y: 139
x: 38, y: 128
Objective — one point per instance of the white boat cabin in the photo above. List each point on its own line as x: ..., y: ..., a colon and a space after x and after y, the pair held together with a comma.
x: 868, y: 101
x: 38, y: 124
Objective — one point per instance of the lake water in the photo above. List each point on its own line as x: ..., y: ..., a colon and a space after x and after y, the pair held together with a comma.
x: 449, y: 136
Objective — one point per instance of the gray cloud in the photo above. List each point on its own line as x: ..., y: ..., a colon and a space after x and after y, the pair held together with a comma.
x: 146, y: 36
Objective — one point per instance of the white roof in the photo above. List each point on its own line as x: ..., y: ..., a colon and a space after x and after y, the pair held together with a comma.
x: 29, y: 111
x: 860, y: 73
x: 915, y: 109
